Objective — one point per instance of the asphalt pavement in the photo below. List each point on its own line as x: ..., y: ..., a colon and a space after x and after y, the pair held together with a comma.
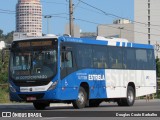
x: 109, y: 111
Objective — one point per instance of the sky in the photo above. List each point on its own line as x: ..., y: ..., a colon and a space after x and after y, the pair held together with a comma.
x: 59, y: 10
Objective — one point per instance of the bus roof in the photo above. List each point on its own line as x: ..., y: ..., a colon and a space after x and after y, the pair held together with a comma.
x: 37, y: 38
x: 107, y: 42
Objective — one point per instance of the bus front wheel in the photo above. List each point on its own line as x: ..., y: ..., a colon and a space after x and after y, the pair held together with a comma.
x: 82, y: 99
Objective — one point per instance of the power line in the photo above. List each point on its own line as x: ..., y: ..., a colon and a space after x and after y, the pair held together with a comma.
x: 58, y: 14
x: 110, y: 14
x: 7, y: 10
x: 7, y: 13
x: 14, y: 12
x: 115, y: 27
x: 123, y: 18
x: 53, y: 2
x: 75, y: 6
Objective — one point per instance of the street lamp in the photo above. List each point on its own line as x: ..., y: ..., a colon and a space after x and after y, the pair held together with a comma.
x: 47, y: 17
x: 120, y: 28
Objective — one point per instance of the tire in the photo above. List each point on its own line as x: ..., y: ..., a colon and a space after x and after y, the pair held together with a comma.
x: 82, y: 99
x: 129, y: 101
x: 94, y: 103
x: 40, y: 105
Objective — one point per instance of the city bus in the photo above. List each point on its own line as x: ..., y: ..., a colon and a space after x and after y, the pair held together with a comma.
x: 81, y: 71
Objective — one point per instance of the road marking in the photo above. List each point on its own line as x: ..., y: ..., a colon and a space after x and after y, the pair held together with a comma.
x: 54, y: 118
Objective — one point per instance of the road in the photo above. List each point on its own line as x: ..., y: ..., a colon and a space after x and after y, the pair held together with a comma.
x: 105, y: 109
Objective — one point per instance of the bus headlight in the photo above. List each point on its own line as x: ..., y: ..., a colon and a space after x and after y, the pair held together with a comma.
x: 12, y: 89
x: 53, y: 85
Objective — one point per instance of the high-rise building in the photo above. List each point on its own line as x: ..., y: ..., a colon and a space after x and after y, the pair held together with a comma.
x: 29, y: 17
x: 147, y: 17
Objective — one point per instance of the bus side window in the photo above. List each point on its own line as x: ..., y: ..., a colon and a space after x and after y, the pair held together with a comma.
x: 66, y: 60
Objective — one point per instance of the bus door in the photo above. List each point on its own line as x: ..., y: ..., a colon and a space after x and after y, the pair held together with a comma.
x: 68, y: 68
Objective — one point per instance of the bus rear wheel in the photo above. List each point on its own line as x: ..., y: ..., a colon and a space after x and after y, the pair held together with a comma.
x: 129, y: 101
x: 82, y: 99
x: 40, y: 105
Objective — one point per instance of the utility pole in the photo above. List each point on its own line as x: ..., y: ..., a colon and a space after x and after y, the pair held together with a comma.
x: 120, y: 34
x: 71, y: 19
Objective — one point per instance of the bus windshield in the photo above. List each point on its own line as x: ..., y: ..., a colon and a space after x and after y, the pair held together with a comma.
x: 33, y: 64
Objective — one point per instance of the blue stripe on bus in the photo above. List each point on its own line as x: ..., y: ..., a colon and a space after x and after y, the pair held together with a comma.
x: 118, y: 44
x: 129, y: 44
x: 123, y: 44
x: 135, y: 45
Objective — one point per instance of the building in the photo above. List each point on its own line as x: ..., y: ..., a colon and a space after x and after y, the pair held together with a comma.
x: 120, y: 28
x: 147, y: 12
x: 90, y: 35
x: 76, y: 30
x: 29, y: 17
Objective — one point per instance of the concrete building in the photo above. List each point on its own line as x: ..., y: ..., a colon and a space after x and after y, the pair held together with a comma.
x: 76, y: 30
x: 147, y: 12
x: 29, y: 17
x: 120, y: 28
x: 88, y: 35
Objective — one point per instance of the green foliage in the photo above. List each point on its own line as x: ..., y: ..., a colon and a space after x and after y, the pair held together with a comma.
x: 7, y: 38
x: 4, y: 96
x: 158, y: 67
x: 158, y: 75
x: 4, y: 69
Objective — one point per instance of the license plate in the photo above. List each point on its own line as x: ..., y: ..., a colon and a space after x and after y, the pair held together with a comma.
x: 31, y: 98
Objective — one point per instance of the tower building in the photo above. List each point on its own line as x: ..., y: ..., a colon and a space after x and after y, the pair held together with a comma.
x: 29, y: 17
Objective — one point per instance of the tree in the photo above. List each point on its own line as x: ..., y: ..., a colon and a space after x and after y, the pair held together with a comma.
x: 9, y: 37
x: 158, y: 67
x: 1, y: 35
x: 4, y: 69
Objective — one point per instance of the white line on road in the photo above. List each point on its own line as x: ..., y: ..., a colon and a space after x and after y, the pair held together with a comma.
x: 54, y: 118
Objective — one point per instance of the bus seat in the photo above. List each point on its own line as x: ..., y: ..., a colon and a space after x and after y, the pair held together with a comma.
x: 102, y: 65
x: 118, y: 65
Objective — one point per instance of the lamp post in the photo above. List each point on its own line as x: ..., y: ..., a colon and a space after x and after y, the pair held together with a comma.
x: 120, y: 28
x: 47, y: 17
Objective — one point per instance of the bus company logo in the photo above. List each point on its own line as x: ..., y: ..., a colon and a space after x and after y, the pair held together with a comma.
x: 96, y: 77
x: 6, y: 114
